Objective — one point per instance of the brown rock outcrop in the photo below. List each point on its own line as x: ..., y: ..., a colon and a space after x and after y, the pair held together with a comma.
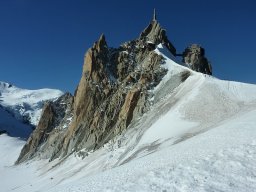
x: 194, y: 57
x: 53, y: 123
x: 41, y: 133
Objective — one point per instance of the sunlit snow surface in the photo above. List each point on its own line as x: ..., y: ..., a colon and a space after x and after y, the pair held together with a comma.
x: 200, y: 136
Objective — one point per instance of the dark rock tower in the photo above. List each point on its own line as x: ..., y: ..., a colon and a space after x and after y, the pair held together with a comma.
x: 194, y: 58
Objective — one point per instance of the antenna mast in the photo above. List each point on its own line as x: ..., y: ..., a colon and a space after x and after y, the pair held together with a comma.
x: 154, y: 16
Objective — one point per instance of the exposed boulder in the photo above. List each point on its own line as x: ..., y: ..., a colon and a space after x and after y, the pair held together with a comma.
x: 194, y: 57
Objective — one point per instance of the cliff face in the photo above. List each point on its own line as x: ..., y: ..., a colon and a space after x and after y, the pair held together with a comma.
x: 46, y: 140
x: 114, y: 90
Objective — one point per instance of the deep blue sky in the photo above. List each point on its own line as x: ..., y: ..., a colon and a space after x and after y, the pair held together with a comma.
x: 43, y: 42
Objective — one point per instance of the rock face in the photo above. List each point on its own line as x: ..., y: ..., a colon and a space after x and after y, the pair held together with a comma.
x: 114, y: 90
x: 194, y: 57
x: 48, y: 135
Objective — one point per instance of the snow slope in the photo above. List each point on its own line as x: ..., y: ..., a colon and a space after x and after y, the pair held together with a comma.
x: 222, y: 159
x: 21, y: 105
x: 200, y: 135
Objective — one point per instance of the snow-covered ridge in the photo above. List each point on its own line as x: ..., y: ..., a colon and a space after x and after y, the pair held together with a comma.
x: 24, y: 104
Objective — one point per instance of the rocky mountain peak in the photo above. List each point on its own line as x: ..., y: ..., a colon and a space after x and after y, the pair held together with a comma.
x: 101, y: 44
x: 114, y: 91
x: 95, y: 60
x: 155, y: 34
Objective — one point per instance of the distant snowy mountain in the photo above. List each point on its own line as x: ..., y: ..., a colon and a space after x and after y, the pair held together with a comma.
x: 20, y: 108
